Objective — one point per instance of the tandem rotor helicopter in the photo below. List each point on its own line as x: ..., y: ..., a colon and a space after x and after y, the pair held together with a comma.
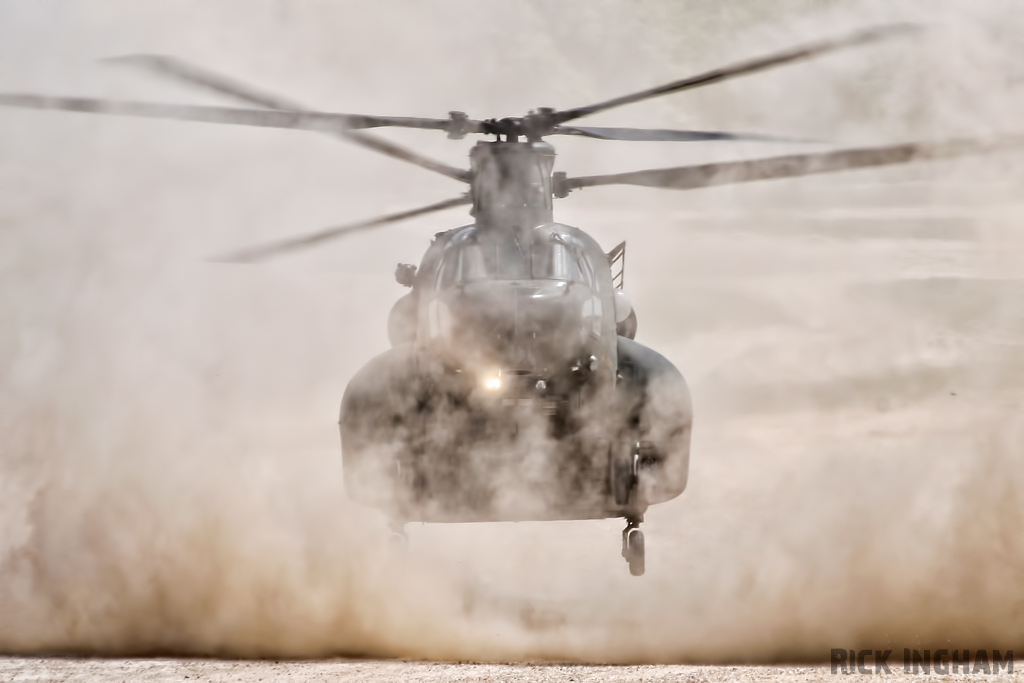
x: 514, y: 389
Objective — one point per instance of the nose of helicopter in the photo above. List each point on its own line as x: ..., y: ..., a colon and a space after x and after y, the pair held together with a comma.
x: 529, y: 325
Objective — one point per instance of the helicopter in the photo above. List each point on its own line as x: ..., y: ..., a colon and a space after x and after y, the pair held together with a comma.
x: 514, y: 388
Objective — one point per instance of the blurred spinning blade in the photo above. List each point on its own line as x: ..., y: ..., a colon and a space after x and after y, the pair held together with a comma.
x: 271, y: 249
x: 739, y: 69
x: 666, y: 135
x: 180, y: 70
x: 791, y: 166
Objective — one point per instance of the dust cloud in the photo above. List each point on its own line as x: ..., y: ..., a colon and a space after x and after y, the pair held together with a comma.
x: 170, y: 477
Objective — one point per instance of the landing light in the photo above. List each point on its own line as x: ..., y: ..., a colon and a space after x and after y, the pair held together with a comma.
x: 494, y: 383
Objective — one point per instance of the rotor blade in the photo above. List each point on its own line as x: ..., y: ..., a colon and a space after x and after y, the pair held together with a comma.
x: 725, y: 173
x: 194, y: 75
x: 665, y: 135
x: 265, y: 251
x: 267, y: 118
x: 191, y: 74
x: 740, y: 69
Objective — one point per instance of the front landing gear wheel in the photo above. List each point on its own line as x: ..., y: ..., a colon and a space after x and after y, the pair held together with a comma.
x: 633, y: 548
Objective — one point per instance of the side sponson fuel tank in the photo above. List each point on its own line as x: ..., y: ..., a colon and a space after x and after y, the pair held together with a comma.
x: 659, y: 417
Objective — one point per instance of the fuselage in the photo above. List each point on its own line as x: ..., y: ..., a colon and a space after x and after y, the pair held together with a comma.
x: 513, y: 391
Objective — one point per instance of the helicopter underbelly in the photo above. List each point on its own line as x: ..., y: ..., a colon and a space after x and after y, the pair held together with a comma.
x: 420, y: 448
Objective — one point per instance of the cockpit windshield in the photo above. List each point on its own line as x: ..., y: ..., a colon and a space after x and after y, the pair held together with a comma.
x: 555, y: 261
x: 507, y: 260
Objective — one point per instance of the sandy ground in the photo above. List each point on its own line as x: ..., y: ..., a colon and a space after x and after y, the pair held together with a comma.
x: 73, y: 669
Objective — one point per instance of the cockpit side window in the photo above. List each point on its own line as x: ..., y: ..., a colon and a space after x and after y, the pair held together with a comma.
x: 588, y: 271
x: 447, y: 273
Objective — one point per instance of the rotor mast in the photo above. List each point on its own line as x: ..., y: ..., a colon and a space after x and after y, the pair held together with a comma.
x: 510, y: 184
